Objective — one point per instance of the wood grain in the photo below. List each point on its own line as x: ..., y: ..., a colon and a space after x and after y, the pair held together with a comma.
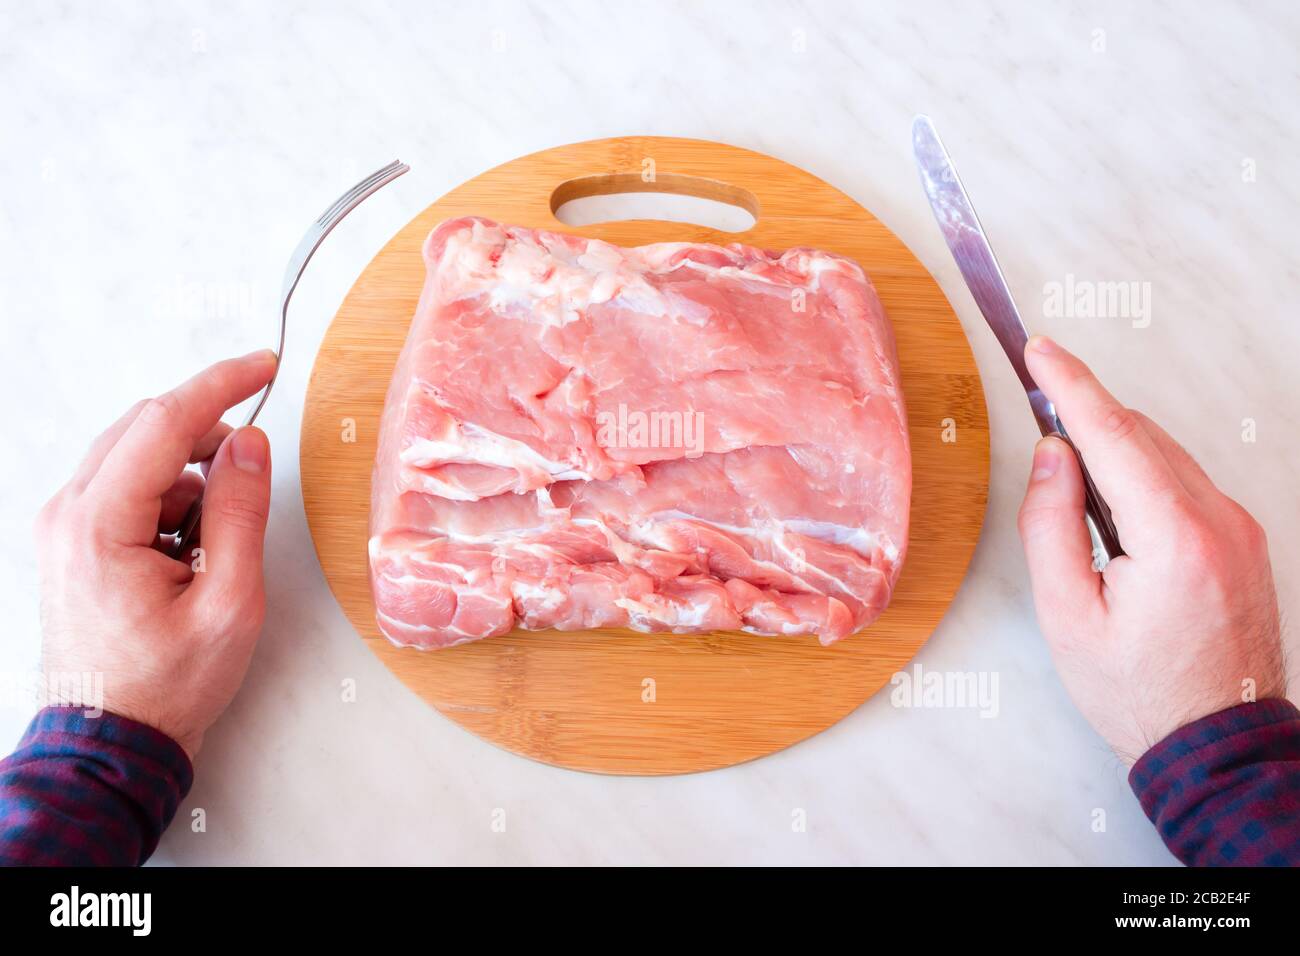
x: 578, y: 699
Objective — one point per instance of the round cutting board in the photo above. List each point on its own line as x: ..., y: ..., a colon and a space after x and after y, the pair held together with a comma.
x: 620, y: 701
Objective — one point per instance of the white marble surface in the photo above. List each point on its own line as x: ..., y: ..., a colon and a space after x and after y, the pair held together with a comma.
x: 162, y: 158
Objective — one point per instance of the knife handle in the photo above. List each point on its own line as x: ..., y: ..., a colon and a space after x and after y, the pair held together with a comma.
x: 1094, y: 505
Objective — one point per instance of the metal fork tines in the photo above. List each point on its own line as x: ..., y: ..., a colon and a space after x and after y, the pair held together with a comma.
x: 302, y: 254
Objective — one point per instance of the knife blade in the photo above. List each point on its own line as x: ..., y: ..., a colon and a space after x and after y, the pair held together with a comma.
x: 970, y: 248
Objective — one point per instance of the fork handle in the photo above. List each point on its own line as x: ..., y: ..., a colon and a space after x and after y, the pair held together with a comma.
x: 187, y: 529
x: 315, y: 235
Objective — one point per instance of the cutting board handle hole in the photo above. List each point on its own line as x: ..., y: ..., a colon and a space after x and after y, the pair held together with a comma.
x: 671, y: 197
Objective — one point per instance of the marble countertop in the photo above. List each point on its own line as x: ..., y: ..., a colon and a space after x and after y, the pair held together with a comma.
x: 163, y: 158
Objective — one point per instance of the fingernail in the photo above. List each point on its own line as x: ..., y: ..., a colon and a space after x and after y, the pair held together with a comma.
x: 264, y: 355
x: 249, y: 450
x: 1046, y: 460
x: 1041, y: 343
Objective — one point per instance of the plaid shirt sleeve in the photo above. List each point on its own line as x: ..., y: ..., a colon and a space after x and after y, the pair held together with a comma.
x: 1225, y: 789
x: 88, y: 791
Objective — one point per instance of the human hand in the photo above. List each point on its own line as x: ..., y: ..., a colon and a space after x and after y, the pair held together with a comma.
x: 172, y: 638
x: 1186, y: 623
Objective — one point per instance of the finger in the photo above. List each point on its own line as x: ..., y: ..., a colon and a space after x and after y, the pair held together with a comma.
x: 235, y: 507
x: 101, y: 446
x: 105, y: 441
x: 177, y: 499
x: 156, y: 446
x: 1057, y: 545
x: 207, y: 446
x: 1185, y: 467
x: 1124, y: 462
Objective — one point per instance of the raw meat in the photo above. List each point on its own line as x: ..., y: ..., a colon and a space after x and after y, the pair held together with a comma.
x: 676, y: 437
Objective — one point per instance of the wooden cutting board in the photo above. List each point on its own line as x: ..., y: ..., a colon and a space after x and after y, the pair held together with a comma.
x: 619, y: 701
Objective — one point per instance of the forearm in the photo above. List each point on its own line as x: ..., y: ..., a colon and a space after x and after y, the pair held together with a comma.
x: 88, y: 791
x: 1225, y: 789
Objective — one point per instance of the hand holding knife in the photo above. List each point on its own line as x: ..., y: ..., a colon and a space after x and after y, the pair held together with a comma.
x: 979, y: 267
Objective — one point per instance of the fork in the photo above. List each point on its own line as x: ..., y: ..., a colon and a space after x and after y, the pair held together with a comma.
x: 315, y: 234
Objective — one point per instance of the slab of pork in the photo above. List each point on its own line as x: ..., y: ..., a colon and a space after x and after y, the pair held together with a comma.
x: 675, y: 437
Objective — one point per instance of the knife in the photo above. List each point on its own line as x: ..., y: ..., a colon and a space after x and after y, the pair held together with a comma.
x: 979, y: 267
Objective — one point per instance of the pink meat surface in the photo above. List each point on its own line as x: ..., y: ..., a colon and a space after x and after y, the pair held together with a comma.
x: 675, y: 437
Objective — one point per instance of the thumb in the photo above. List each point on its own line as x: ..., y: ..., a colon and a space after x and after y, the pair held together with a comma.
x: 1057, y: 545
x: 235, y: 507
